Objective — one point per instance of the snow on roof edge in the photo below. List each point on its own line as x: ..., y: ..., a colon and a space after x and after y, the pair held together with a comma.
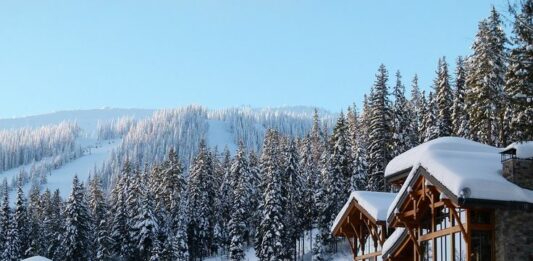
x: 524, y: 149
x: 392, y: 239
x: 375, y: 203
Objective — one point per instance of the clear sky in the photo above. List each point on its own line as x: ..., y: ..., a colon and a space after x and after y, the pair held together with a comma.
x: 59, y: 55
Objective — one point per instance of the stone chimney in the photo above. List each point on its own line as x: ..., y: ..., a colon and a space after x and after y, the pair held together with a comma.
x: 518, y: 168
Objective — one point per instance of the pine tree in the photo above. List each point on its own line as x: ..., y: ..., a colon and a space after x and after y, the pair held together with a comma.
x: 147, y: 226
x: 98, y: 210
x: 379, y: 137
x: 401, y: 119
x: 459, y: 115
x: 519, y: 77
x: 120, y: 233
x: 292, y: 188
x: 201, y: 198
x: 20, y: 226
x: 237, y: 225
x: 485, y: 81
x: 271, y: 231
x: 430, y: 124
x: 417, y: 107
x: 326, y: 209
x: 444, y: 99
x: 53, y: 223
x: 5, y: 216
x: 77, y: 225
x: 180, y: 248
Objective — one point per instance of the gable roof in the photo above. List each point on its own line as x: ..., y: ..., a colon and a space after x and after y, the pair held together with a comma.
x: 375, y: 204
x: 463, y: 168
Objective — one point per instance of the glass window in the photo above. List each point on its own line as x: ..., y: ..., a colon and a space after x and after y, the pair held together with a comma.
x: 460, y: 247
x: 481, y: 216
x: 442, y: 219
x: 481, y: 245
x: 427, y: 250
x: 443, y: 248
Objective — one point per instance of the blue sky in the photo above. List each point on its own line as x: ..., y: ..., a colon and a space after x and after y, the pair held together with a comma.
x: 58, y: 55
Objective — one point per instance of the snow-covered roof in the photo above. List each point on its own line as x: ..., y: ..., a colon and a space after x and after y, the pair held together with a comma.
x: 36, y: 258
x: 460, y: 165
x: 392, y: 239
x: 524, y: 150
x: 375, y: 203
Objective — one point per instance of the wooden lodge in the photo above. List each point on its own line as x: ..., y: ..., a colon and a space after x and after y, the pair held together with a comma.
x: 363, y: 222
x: 457, y: 200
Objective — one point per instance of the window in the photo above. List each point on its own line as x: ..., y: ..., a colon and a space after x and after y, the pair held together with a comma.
x: 481, y: 216
x: 481, y: 245
x: 460, y: 247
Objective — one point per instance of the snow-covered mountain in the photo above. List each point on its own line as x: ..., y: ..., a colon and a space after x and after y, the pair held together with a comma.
x: 108, y: 136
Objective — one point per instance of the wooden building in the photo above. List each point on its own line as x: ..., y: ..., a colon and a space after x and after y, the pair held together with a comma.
x: 362, y: 221
x: 460, y: 200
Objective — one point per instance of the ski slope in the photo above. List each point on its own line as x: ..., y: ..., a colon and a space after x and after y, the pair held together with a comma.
x: 61, y: 178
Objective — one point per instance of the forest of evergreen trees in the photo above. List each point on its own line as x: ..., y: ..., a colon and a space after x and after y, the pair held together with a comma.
x: 223, y: 204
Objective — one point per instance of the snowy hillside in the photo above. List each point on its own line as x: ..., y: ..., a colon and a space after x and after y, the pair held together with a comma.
x: 107, y: 136
x: 86, y: 119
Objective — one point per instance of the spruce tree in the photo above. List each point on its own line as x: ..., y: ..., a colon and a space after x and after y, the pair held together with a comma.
x: 485, y: 81
x: 20, y: 225
x: 271, y: 231
x: 401, y: 119
x: 180, y: 247
x: 77, y: 225
x: 201, y: 198
x: 380, y: 131
x: 519, y: 77
x: 444, y: 99
x: 237, y: 224
x: 459, y: 114
x: 430, y: 124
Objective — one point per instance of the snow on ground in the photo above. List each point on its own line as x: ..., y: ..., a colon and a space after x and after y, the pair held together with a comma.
x: 219, y: 135
x: 61, y: 178
x: 343, y: 250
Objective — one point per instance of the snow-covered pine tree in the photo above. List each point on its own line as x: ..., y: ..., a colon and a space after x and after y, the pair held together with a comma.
x: 147, y: 226
x: 430, y: 124
x: 98, y: 209
x: 459, y: 114
x: 340, y: 164
x: 77, y: 225
x: 271, y: 231
x: 444, y: 99
x: 20, y: 226
x: 325, y: 209
x: 53, y: 223
x: 172, y: 181
x: 292, y: 188
x: 401, y: 119
x: 5, y: 216
x: 120, y: 233
x: 519, y: 77
x: 201, y: 199
x: 237, y: 225
x: 180, y: 247
x: 254, y: 196
x: 380, y: 131
x: 416, y: 107
x: 485, y: 81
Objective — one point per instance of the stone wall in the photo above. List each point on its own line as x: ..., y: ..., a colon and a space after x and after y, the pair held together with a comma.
x: 513, y: 235
x: 519, y: 171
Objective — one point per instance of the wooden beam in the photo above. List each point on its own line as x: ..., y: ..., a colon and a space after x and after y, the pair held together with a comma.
x: 456, y: 217
x: 440, y: 233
